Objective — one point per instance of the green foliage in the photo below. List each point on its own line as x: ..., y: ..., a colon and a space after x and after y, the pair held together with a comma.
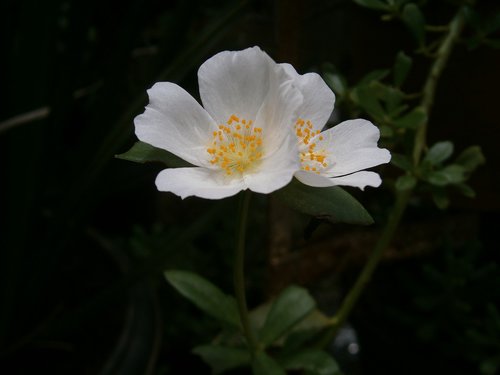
x: 330, y: 203
x: 313, y: 362
x: 221, y: 358
x: 143, y: 152
x: 406, y: 182
x: 265, y: 365
x: 402, y: 67
x: 414, y: 19
x: 287, y: 310
x: 439, y: 152
x: 373, y: 4
x: 206, y: 296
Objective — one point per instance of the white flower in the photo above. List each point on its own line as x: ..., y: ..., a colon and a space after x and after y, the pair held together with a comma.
x: 335, y: 156
x: 240, y: 139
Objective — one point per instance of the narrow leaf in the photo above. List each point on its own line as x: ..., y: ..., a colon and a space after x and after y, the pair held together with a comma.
x: 412, y: 120
x: 401, y: 68
x: 205, y: 295
x: 439, y: 152
x: 315, y: 362
x: 401, y: 161
x: 221, y: 358
x: 366, y: 97
x: 451, y: 174
x: 405, y: 182
x: 374, y: 75
x: 331, y: 203
x: 440, y: 199
x: 413, y: 18
x: 337, y: 83
x: 265, y: 365
x: 471, y: 158
x: 143, y: 152
x: 289, y: 308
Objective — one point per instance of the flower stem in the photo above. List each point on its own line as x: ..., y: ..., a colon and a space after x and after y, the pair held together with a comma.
x: 239, y: 270
x: 402, y: 197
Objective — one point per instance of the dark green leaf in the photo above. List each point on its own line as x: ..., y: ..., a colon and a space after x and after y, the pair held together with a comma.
x: 331, y: 203
x: 466, y: 190
x: 439, y: 152
x: 413, y: 119
x: 289, y: 308
x: 441, y: 199
x: 143, y: 152
x: 374, y: 75
x: 451, y: 174
x: 221, y: 358
x: 401, y: 161
x: 373, y: 4
x: 265, y: 365
x: 389, y: 95
x: 406, y: 182
x: 414, y: 19
x: 401, y: 68
x: 337, y: 83
x: 471, y: 158
x: 366, y: 97
x: 386, y: 131
x: 205, y: 295
x: 315, y: 362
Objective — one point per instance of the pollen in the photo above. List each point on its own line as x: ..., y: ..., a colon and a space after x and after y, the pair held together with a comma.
x: 313, y: 155
x: 236, y: 147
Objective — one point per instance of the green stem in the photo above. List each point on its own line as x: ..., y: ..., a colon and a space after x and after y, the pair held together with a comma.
x: 239, y: 270
x: 402, y: 197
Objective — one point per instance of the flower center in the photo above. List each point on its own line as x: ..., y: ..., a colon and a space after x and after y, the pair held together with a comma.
x: 237, y: 146
x: 312, y: 156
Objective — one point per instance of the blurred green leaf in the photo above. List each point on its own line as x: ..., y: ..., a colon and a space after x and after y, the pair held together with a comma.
x: 401, y: 161
x: 439, y: 152
x: 287, y: 310
x: 367, y: 99
x: 143, y: 152
x: 315, y: 362
x: 401, y: 68
x: 406, y: 182
x: 374, y: 75
x: 205, y: 295
x: 331, y: 203
x: 412, y: 119
x: 440, y: 199
x: 466, y: 190
x: 265, y: 365
x: 451, y: 174
x: 413, y: 18
x: 373, y: 4
x: 471, y: 158
x: 221, y: 358
x: 336, y: 82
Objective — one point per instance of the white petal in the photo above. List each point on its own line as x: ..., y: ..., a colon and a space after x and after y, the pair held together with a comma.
x: 319, y: 99
x: 276, y: 170
x: 200, y: 182
x: 353, y: 147
x: 175, y: 122
x: 358, y: 179
x: 235, y: 83
x: 313, y: 179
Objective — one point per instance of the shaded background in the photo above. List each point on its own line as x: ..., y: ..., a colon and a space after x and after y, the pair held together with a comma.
x: 85, y: 236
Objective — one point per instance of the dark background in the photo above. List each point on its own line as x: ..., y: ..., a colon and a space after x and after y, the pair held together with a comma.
x: 85, y: 236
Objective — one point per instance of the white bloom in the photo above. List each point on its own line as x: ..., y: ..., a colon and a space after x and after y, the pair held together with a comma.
x: 240, y: 139
x: 338, y: 155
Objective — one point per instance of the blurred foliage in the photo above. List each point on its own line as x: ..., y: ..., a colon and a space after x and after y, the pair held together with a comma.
x: 85, y: 237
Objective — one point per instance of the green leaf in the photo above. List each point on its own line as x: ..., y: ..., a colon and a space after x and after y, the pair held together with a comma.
x: 221, y: 358
x: 366, y: 97
x: 205, y: 295
x: 471, y: 158
x: 439, y: 152
x: 373, y: 4
x: 406, y: 182
x: 466, y: 190
x: 287, y: 310
x: 440, y: 199
x: 331, y: 203
x: 265, y: 365
x: 451, y: 174
x: 412, y: 120
x: 413, y: 18
x: 374, y: 75
x: 315, y: 362
x: 337, y: 83
x: 402, y: 162
x: 143, y: 152
x: 401, y: 68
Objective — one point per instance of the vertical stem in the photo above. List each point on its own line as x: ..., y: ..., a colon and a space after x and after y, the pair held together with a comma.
x: 402, y: 197
x: 239, y: 269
